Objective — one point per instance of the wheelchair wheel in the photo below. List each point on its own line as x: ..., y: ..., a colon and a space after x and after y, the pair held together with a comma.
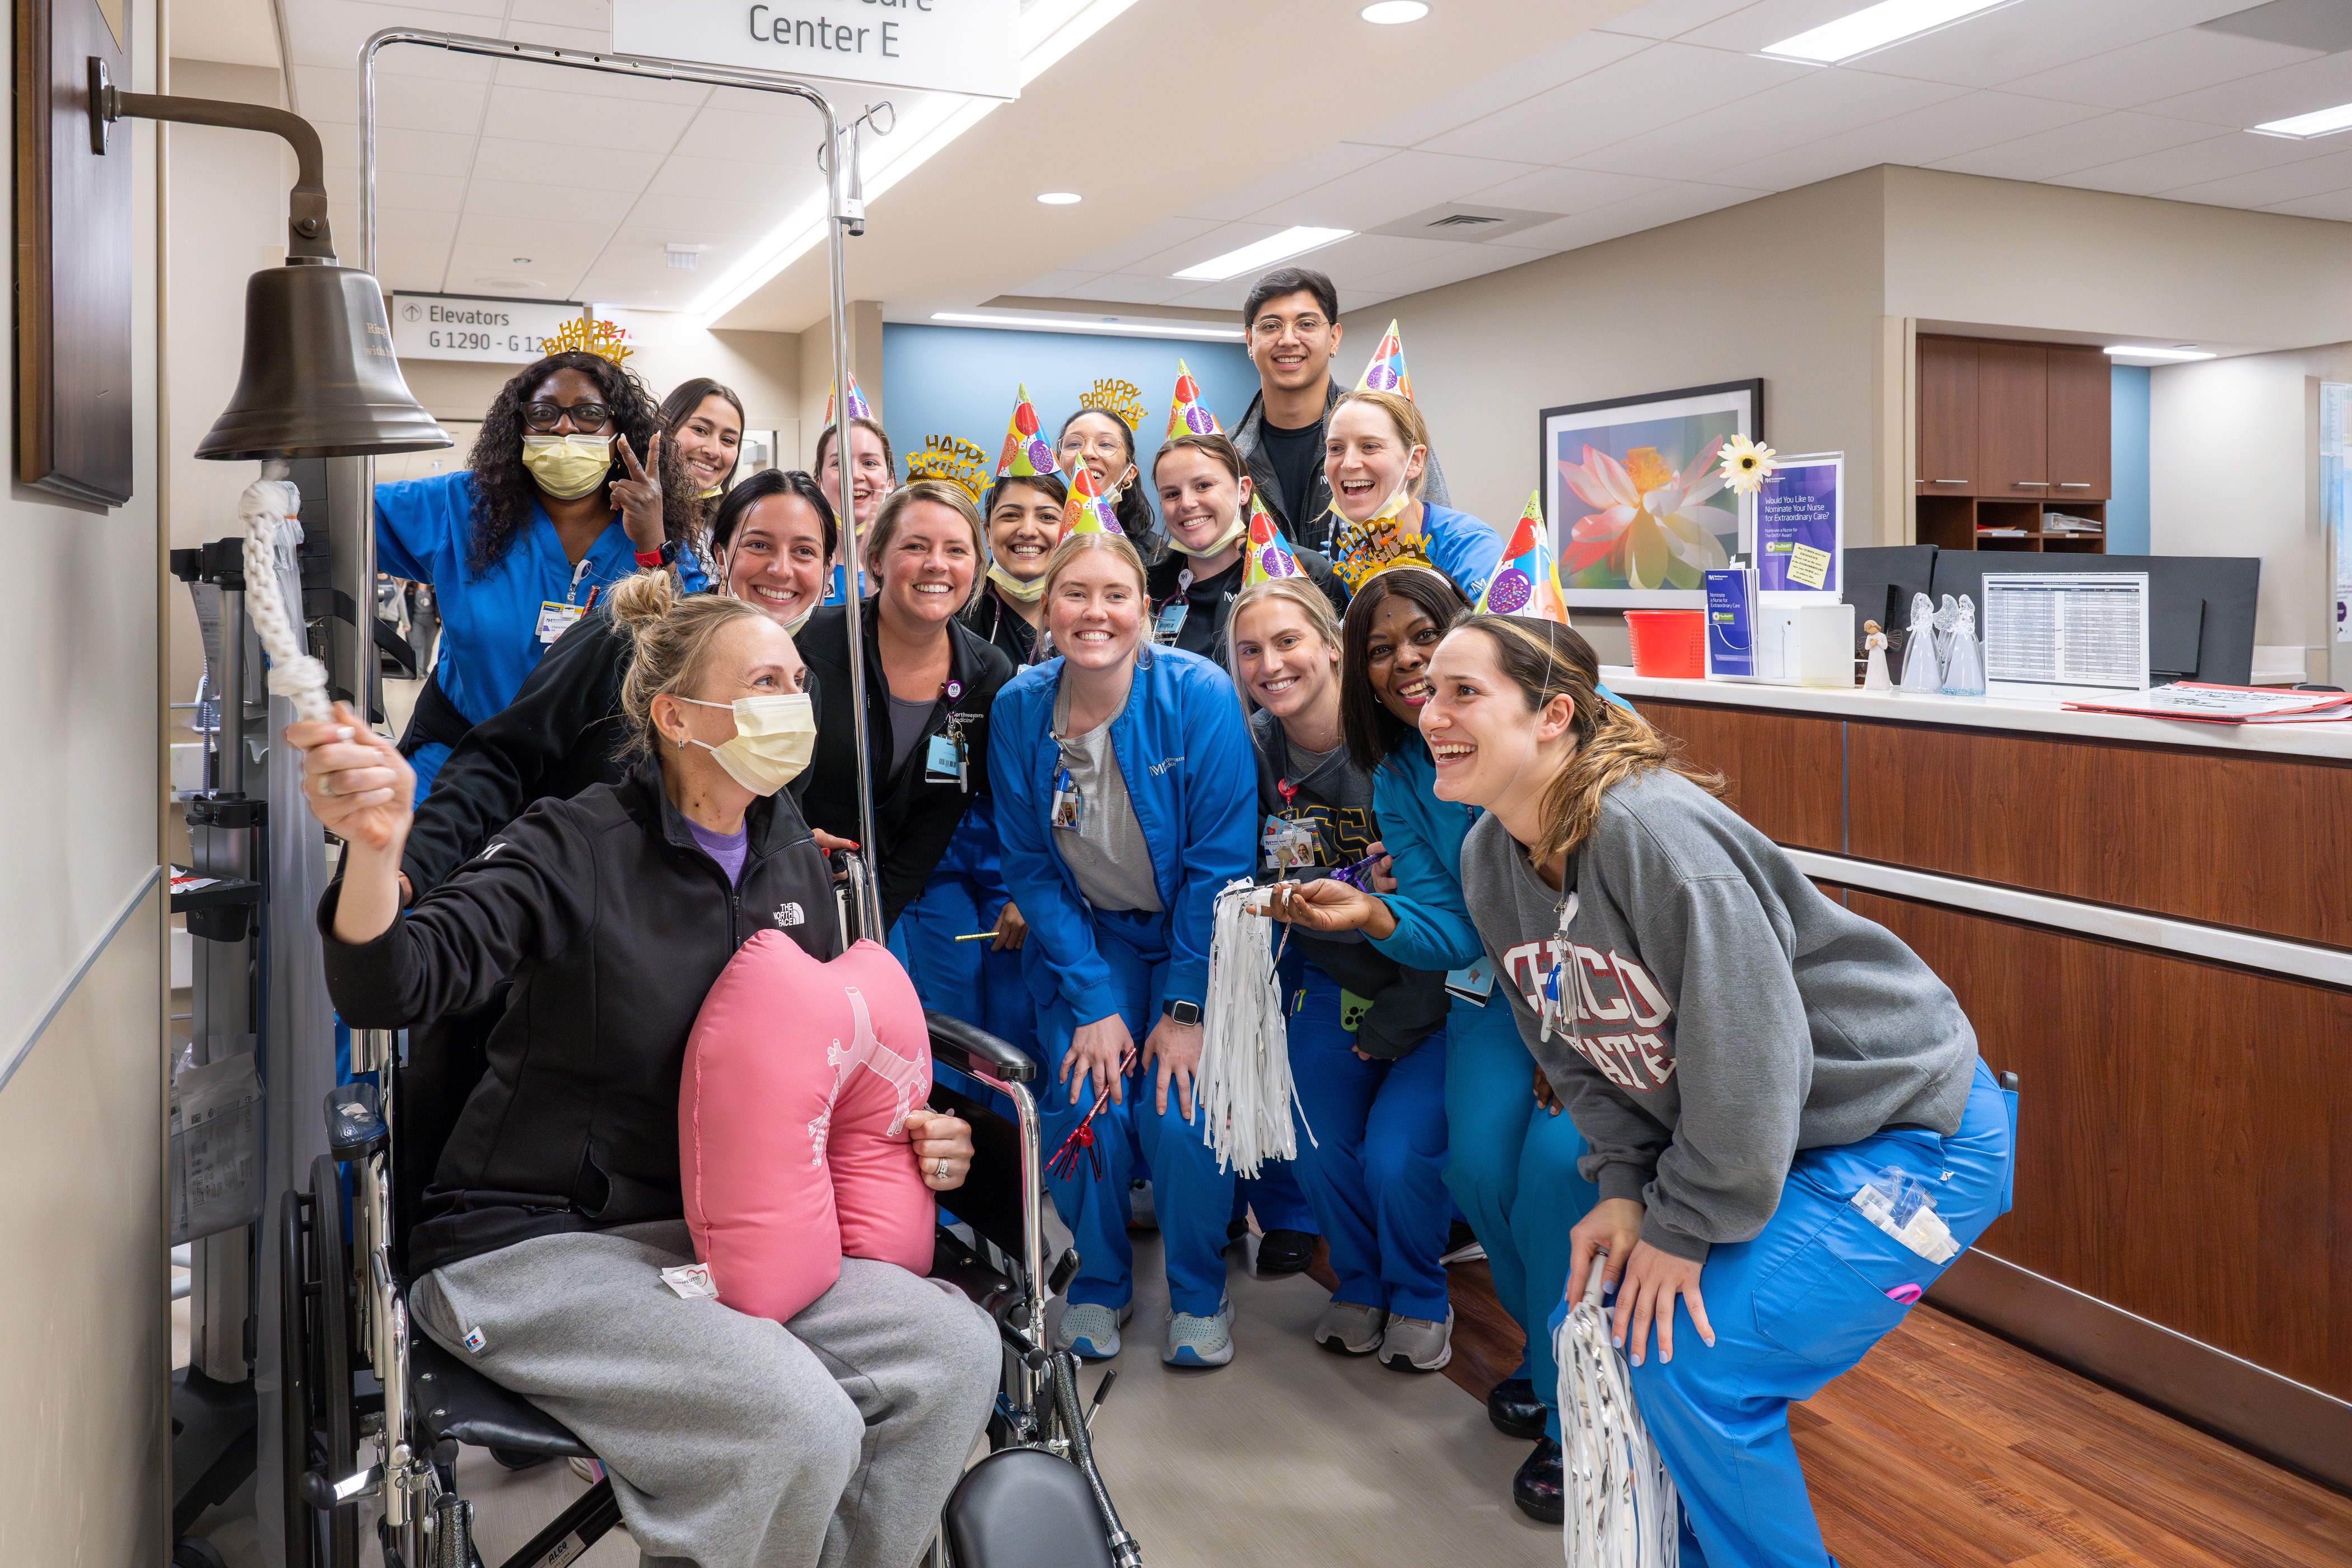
x: 315, y: 1368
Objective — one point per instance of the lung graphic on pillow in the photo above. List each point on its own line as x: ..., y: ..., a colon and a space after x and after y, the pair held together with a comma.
x: 789, y: 1047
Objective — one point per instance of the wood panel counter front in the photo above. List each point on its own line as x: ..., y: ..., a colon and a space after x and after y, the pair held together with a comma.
x: 2150, y: 922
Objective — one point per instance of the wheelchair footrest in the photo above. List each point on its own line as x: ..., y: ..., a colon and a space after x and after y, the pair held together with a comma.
x: 1023, y: 1508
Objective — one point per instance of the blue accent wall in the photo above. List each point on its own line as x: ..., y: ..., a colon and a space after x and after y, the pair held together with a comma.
x: 963, y: 381
x: 2128, y: 507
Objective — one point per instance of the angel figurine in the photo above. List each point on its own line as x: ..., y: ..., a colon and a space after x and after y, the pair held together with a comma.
x: 1964, y: 664
x: 1947, y: 615
x: 1875, y: 679
x: 1921, y: 672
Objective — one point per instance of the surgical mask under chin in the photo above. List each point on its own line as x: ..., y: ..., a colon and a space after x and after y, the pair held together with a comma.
x: 1216, y: 546
x: 1399, y: 499
x: 1013, y: 587
x: 774, y: 738
x: 808, y: 606
x: 568, y: 467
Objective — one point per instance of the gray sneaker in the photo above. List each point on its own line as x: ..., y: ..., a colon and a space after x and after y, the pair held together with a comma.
x: 1350, y: 1329
x: 1201, y: 1341
x: 1416, y: 1344
x: 1091, y: 1330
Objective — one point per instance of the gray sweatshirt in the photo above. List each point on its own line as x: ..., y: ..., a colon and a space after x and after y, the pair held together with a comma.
x: 1727, y: 1013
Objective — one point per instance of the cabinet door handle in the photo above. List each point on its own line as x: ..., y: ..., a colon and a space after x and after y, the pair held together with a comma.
x: 2074, y: 484
x: 2037, y: 484
x: 1947, y: 481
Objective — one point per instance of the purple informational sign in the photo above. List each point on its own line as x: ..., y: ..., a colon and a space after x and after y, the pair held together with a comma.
x: 1799, y: 527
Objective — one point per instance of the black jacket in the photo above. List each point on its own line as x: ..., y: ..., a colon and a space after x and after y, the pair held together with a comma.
x: 561, y: 733
x: 1212, y: 598
x: 1307, y: 520
x: 914, y: 817
x: 1406, y: 1003
x: 613, y: 925
x: 1000, y: 625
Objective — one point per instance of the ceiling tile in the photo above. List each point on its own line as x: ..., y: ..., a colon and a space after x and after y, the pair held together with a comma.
x: 1671, y: 18
x: 332, y: 33
x: 1563, y: 191
x: 1217, y: 241
x: 1668, y: 204
x: 694, y: 218
x: 1124, y: 289
x: 598, y: 84
x: 580, y: 121
x: 477, y: 269
x: 2269, y: 187
x: 513, y: 234
x: 595, y: 13
x: 1512, y: 83
x: 1921, y: 137
x: 428, y: 192
x: 2104, y: 140
x: 1823, y: 103
x: 599, y: 211
x: 1124, y: 255
x: 720, y: 180
x: 543, y: 165
x: 2220, y: 157
x: 1364, y: 255
x: 722, y: 130
x: 1436, y: 271
x: 424, y: 151
x: 441, y: 11
x: 1305, y: 174
x: 330, y: 94
x: 1053, y: 285
x: 1400, y: 185
x: 1753, y: 25
x: 417, y: 59
x: 587, y: 40
x: 1230, y: 295
x: 2336, y: 205
x: 1663, y: 84
x: 2017, y: 40
x: 422, y: 103
x: 2164, y: 66
x: 2299, y: 88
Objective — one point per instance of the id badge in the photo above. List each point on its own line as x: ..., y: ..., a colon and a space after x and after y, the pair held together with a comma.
x: 1068, y: 805
x: 942, y: 761
x: 1170, y: 625
x: 555, y: 618
x: 1473, y: 985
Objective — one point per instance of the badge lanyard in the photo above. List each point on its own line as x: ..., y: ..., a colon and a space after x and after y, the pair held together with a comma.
x: 1170, y: 625
x: 1558, y: 991
x: 947, y: 759
x: 556, y: 616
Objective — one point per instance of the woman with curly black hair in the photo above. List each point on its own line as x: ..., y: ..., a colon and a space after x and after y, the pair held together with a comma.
x: 563, y: 496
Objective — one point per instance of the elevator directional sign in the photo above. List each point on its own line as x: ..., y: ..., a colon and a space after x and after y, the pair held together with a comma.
x: 487, y: 332
x: 970, y: 47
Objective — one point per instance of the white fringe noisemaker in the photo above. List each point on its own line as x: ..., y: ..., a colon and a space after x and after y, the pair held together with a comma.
x: 1621, y: 1508
x: 267, y: 513
x: 1243, y: 1083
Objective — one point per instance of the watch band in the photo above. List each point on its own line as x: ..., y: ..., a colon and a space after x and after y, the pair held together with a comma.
x: 1180, y: 1012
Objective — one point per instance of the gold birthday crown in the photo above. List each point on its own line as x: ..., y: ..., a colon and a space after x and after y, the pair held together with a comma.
x: 952, y: 461
x: 1122, y: 399
x: 606, y: 340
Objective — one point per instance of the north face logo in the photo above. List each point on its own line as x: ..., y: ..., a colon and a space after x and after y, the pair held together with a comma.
x: 789, y: 915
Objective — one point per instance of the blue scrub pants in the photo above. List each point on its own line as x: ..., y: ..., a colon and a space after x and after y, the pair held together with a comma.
x: 1374, y: 1169
x: 1513, y: 1171
x: 1193, y: 1199
x: 1793, y: 1308
x: 966, y: 980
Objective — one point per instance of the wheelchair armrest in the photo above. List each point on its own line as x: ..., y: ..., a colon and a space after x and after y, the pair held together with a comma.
x: 976, y: 1051
x: 355, y: 1128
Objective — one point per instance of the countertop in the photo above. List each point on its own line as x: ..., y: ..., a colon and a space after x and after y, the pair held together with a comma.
x: 2329, y: 742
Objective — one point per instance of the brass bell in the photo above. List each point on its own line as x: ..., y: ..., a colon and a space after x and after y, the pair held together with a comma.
x: 319, y: 377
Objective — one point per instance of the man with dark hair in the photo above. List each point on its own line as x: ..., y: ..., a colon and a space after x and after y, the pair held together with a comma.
x: 1292, y: 326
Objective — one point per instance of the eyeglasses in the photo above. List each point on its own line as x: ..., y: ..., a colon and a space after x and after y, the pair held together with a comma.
x: 586, y: 417
x: 1272, y: 326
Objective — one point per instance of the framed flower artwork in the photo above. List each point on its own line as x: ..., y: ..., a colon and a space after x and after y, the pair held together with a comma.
x: 1638, y: 505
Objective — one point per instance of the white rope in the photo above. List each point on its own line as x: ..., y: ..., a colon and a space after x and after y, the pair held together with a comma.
x: 267, y: 513
x: 1621, y: 1508
x: 1243, y: 1083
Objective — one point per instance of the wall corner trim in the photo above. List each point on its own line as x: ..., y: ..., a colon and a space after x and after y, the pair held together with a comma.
x: 15, y: 1054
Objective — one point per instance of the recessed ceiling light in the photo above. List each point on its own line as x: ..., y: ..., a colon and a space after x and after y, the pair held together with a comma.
x: 1110, y: 324
x: 1061, y: 198
x: 521, y: 261
x: 1265, y: 252
x: 2319, y: 122
x: 1876, y: 27
x: 1392, y: 12
x: 2134, y: 350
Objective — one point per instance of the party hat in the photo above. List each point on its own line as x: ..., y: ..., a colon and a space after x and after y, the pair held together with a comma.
x: 1187, y: 414
x: 858, y: 408
x: 1386, y: 373
x: 1025, y: 454
x: 1527, y: 575
x: 1087, y: 512
x: 1268, y: 557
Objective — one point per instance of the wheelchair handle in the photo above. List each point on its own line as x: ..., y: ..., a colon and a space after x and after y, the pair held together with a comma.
x: 976, y: 1051
x: 355, y: 1128
x: 327, y: 1495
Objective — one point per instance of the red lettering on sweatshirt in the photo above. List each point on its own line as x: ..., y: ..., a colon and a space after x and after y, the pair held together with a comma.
x: 1604, y: 988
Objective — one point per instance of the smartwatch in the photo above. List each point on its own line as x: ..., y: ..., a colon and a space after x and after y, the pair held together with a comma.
x: 1180, y: 1012
x: 663, y: 556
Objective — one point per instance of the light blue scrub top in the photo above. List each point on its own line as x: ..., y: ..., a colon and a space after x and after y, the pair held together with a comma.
x: 489, y: 625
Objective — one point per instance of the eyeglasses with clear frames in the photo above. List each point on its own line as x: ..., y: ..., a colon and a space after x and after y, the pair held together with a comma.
x: 587, y: 418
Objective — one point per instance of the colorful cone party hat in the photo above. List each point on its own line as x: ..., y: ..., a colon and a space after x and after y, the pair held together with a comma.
x: 1025, y: 454
x: 1187, y: 414
x: 858, y: 409
x: 1267, y: 557
x: 1387, y: 372
x: 1088, y: 512
x: 1527, y: 577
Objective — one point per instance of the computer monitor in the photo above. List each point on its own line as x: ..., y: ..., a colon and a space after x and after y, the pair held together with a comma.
x: 2200, y: 608
x: 1879, y: 581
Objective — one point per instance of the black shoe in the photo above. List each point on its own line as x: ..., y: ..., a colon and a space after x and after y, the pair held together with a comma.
x: 1282, y: 1253
x: 1515, y: 1410
x: 1536, y: 1488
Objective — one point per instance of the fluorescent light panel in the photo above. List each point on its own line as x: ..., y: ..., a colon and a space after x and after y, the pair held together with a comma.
x: 1111, y: 329
x: 2133, y: 350
x: 1264, y: 253
x: 1875, y: 27
x: 2319, y: 122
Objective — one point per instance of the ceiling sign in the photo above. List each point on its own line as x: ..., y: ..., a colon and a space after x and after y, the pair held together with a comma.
x: 969, y: 47
x: 487, y: 332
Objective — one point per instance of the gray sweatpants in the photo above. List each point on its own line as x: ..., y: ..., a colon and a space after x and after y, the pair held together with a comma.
x: 734, y: 1441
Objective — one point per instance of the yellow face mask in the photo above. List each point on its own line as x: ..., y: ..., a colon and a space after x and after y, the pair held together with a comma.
x: 568, y: 467
x: 1013, y: 587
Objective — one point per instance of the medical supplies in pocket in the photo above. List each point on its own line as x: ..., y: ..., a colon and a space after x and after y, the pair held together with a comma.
x: 1901, y: 1205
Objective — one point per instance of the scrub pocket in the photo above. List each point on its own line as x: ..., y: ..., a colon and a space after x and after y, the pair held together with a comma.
x: 1828, y: 1302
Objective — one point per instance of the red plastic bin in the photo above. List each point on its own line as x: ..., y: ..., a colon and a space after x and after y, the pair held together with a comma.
x: 1668, y: 642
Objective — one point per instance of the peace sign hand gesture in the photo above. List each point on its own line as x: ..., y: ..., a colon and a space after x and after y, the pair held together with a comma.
x: 638, y: 498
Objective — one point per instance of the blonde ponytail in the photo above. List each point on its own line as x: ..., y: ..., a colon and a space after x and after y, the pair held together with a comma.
x: 671, y: 634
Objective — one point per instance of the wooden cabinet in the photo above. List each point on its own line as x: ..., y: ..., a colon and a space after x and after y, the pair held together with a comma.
x: 2009, y: 431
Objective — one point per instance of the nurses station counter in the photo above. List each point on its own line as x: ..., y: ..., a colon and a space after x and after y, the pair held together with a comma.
x: 2150, y: 923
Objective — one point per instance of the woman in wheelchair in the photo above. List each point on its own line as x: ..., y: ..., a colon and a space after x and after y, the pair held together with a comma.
x: 832, y: 1438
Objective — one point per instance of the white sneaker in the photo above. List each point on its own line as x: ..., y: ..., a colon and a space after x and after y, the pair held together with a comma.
x: 1349, y: 1328
x: 587, y: 1469
x: 1201, y: 1341
x: 1091, y: 1330
x: 1416, y: 1344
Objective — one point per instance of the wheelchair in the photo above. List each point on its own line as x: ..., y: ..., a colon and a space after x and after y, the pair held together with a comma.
x: 355, y: 1373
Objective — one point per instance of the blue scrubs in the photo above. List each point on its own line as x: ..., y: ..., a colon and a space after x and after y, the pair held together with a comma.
x: 968, y: 980
x: 1793, y: 1308
x: 1512, y: 1165
x: 1373, y: 1168
x: 489, y: 624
